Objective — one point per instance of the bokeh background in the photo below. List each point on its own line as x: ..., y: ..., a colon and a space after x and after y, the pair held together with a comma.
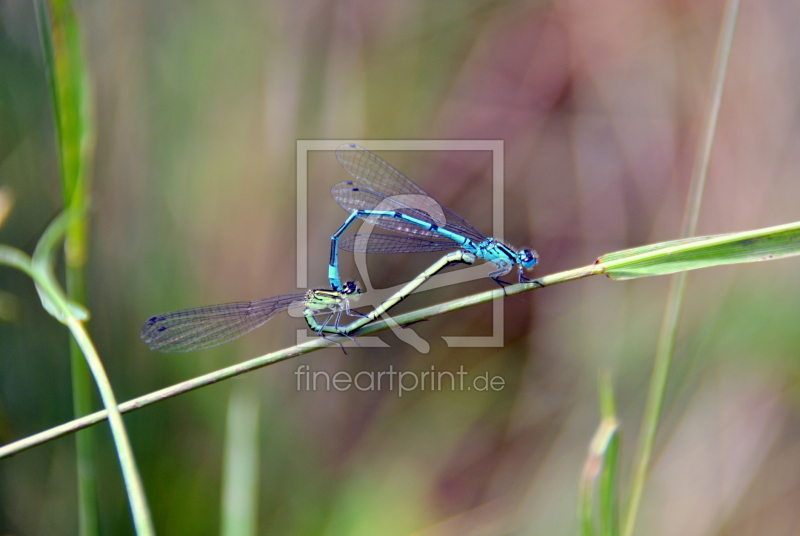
x: 199, y: 106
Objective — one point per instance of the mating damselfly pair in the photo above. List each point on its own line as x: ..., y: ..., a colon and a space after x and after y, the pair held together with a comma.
x: 380, y: 195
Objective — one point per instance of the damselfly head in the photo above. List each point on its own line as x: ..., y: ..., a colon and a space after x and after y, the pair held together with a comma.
x: 528, y: 258
x: 351, y: 288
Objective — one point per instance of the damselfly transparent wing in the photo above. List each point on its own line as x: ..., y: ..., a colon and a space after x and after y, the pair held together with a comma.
x: 379, y: 176
x: 352, y: 196
x: 383, y: 243
x: 375, y: 172
x: 198, y: 328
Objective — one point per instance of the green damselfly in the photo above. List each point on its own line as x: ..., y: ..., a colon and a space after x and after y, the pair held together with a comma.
x: 199, y: 328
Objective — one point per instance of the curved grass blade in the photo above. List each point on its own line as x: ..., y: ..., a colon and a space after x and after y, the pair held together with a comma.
x: 40, y: 270
x: 43, y: 261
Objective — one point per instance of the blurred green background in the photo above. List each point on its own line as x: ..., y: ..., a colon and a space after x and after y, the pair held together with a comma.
x: 198, y: 109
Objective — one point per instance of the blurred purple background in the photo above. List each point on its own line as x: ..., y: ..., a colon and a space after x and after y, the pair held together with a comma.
x: 199, y: 106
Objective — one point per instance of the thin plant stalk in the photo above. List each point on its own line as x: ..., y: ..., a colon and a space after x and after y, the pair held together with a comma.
x: 58, y: 303
x: 770, y: 243
x: 68, y: 79
x: 287, y: 353
x: 597, y: 487
x: 666, y: 341
x: 133, y: 482
x: 241, y: 472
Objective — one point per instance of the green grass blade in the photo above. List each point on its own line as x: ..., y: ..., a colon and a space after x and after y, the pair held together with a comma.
x: 719, y: 250
x: 682, y: 255
x: 608, y: 483
x: 17, y: 259
x: 586, y: 497
x: 140, y: 510
x: 44, y: 260
x: 605, y: 392
x: 598, y: 486
x: 71, y: 97
x: 241, y: 469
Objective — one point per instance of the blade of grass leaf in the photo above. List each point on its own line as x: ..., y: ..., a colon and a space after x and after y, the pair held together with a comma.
x: 43, y: 262
x: 71, y: 97
x: 608, y: 482
x: 586, y: 496
x: 598, y: 481
x: 241, y: 469
x: 669, y: 327
x: 702, y: 252
x: 605, y: 394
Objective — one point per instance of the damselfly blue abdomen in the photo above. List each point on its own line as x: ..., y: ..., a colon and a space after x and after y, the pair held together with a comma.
x: 383, y: 196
